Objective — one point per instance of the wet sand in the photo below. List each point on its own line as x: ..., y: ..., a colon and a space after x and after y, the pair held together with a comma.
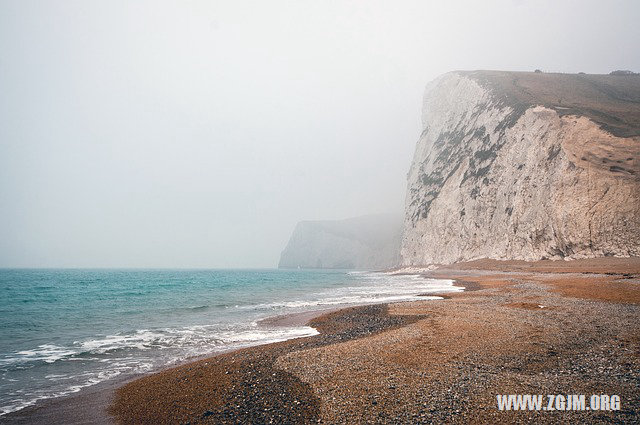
x: 295, y: 319
x: 89, y: 406
x: 529, y: 328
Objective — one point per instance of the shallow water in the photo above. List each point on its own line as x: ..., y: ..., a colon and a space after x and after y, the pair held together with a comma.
x: 63, y: 330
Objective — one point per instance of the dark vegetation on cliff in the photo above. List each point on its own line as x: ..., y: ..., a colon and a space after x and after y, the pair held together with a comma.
x: 612, y: 101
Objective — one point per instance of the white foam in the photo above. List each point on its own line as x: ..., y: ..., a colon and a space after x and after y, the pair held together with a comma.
x: 373, y: 288
x: 191, y: 341
x: 48, y: 353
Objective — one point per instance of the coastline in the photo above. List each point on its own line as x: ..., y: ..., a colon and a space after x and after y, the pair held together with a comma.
x: 544, y: 327
x: 90, y: 404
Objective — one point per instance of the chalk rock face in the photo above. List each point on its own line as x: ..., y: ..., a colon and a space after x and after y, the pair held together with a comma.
x: 525, y: 166
x: 368, y: 242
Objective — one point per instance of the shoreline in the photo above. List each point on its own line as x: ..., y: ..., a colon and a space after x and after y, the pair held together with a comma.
x: 515, y: 289
x: 90, y: 404
x: 426, y: 361
x: 298, y: 318
x: 244, y: 385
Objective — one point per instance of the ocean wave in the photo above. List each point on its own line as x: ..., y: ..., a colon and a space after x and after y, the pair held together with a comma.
x: 373, y: 288
x: 197, y: 308
x: 18, y: 401
x: 47, y: 353
x: 346, y: 300
x: 189, y: 341
x: 200, y: 337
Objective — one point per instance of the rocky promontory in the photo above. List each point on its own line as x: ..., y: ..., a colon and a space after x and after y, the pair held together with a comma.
x: 367, y: 242
x: 525, y: 166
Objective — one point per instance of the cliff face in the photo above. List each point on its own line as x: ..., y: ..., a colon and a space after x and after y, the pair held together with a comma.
x: 525, y: 166
x: 369, y: 242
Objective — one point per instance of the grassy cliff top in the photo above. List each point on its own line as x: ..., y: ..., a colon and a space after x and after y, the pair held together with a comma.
x: 612, y: 101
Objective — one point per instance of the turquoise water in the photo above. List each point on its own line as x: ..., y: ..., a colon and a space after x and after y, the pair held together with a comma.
x: 63, y: 330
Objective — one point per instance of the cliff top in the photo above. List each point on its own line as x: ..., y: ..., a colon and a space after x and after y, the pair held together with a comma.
x: 612, y: 101
x: 369, y: 229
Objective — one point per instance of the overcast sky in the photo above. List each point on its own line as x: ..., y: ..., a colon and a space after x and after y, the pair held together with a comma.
x: 197, y: 133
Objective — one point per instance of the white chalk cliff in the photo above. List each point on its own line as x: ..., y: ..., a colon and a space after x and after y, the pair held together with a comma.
x: 525, y: 166
x: 367, y: 242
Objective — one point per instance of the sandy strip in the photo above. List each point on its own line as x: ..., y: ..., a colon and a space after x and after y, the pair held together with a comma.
x: 295, y: 319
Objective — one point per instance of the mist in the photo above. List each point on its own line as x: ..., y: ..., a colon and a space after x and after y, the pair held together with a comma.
x: 197, y: 134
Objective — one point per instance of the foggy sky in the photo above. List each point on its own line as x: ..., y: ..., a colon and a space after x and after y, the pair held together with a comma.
x: 196, y: 134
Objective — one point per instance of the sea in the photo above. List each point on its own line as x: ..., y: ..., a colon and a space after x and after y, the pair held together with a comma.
x: 67, y: 329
